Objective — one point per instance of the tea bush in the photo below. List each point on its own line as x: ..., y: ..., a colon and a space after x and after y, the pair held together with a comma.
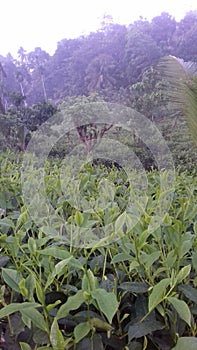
x: 97, y: 281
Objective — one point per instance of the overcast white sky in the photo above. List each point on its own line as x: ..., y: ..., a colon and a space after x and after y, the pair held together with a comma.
x: 31, y: 23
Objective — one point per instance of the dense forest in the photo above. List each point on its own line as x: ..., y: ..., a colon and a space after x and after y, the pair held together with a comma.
x: 107, y: 62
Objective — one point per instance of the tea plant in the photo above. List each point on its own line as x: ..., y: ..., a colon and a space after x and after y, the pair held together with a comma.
x: 135, y: 289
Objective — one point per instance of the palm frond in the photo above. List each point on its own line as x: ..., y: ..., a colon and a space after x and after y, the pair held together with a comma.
x: 190, y: 67
x: 182, y: 89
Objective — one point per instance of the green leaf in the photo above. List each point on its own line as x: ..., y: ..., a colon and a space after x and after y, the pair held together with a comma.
x: 81, y: 330
x: 40, y: 337
x: 27, y: 321
x: 75, y: 263
x: 73, y: 303
x: 185, y: 247
x: 141, y: 241
x: 195, y: 227
x: 100, y: 324
x: 89, y: 282
x: 134, y: 287
x: 183, y: 273
x: 56, y: 252
x: 91, y: 279
x: 171, y: 259
x: 4, y: 260
x: 140, y: 329
x: 7, y: 223
x: 78, y: 218
x: 85, y: 283
x: 24, y: 346
x: 121, y: 220
x: 83, y: 182
x: 12, y: 278
x: 189, y: 292
x: 58, y: 270
x: 190, y: 211
x: 106, y: 190
x: 158, y: 293
x: 121, y: 257
x: 194, y: 260
x: 183, y: 343
x: 36, y: 317
x: 39, y: 292
x: 181, y: 308
x: 107, y: 302
x: 56, y: 337
x: 15, y: 307
x: 32, y: 245
x: 30, y: 285
x: 23, y: 289
x: 149, y: 259
x: 141, y: 307
x: 91, y: 343
x: 2, y: 293
x: 135, y: 345
x: 97, y: 342
x: 52, y: 306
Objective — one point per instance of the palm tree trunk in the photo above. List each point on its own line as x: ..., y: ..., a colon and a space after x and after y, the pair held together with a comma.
x: 22, y: 93
x: 44, y: 88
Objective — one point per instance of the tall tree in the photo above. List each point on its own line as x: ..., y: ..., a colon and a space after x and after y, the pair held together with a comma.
x: 2, y: 77
x: 22, y: 55
x: 185, y: 39
x: 162, y: 29
x: 141, y: 51
x: 37, y: 60
x: 22, y: 74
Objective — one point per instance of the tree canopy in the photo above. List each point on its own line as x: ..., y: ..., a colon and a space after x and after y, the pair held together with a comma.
x: 106, y: 62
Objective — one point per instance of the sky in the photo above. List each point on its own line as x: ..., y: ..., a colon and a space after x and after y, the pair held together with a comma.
x: 43, y: 23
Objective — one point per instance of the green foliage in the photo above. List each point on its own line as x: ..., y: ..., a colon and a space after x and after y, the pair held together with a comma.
x: 19, y: 121
x: 148, y: 96
x: 138, y: 46
x: 178, y: 138
x: 135, y: 292
x: 183, y: 342
x: 163, y: 31
x: 185, y: 34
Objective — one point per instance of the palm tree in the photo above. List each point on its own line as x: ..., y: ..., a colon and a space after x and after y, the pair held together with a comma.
x: 182, y: 77
x: 22, y: 74
x: 20, y: 80
x: 37, y: 61
x: 22, y: 55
